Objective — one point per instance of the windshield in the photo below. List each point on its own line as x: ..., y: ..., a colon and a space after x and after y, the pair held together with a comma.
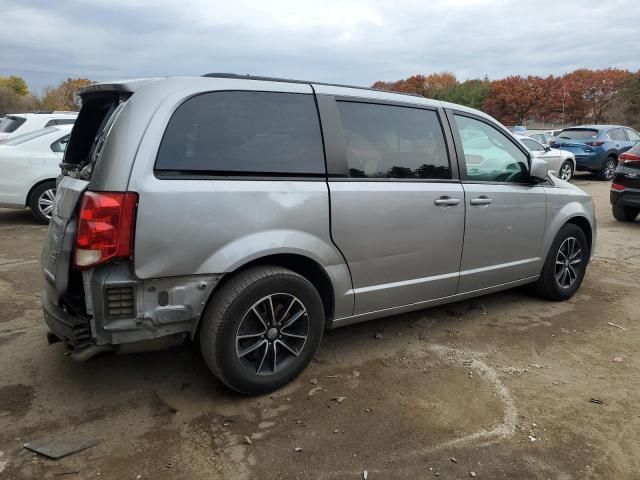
x: 579, y: 134
x: 11, y: 124
x: 25, y: 137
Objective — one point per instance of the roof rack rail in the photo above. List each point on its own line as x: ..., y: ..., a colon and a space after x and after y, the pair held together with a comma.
x: 289, y: 80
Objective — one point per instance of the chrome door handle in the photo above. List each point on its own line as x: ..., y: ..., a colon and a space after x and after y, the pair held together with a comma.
x: 481, y: 200
x: 446, y: 201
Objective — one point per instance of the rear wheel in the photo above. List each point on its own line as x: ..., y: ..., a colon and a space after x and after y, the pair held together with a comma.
x: 42, y: 200
x: 625, y: 214
x: 566, y: 171
x: 565, y: 265
x: 262, y: 329
x: 608, y: 169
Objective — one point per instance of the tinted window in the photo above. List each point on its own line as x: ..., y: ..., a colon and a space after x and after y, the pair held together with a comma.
x: 633, y: 135
x: 489, y: 154
x: 61, y: 145
x: 393, y: 142
x: 60, y: 121
x: 11, y: 124
x: 532, y: 145
x: 617, y: 134
x: 244, y: 132
x: 579, y: 134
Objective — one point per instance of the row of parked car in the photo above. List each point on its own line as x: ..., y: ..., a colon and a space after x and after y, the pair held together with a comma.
x: 32, y: 146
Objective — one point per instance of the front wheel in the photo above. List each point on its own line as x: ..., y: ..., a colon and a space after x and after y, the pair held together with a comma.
x: 262, y: 329
x: 565, y: 265
x: 625, y: 214
x: 566, y: 171
x: 42, y: 200
x: 608, y: 169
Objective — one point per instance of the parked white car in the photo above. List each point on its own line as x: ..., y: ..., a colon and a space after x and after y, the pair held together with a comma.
x: 15, y: 124
x: 562, y: 163
x: 29, y: 166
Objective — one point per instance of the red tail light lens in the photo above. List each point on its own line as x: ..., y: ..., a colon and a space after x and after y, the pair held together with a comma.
x: 629, y: 157
x: 617, y: 187
x: 594, y: 144
x: 105, y: 228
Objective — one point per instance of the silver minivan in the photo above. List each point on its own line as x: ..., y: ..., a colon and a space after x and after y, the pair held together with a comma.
x: 250, y: 214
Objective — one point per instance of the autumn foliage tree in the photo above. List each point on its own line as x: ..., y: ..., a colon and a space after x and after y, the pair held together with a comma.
x: 64, y: 97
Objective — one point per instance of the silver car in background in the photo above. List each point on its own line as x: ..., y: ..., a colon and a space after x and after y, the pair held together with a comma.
x: 561, y: 163
x: 250, y: 214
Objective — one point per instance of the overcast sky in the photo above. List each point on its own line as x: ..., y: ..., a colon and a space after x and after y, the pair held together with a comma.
x: 347, y: 41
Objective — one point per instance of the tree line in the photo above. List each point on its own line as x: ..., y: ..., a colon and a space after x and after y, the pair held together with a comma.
x: 578, y: 97
x: 15, y: 96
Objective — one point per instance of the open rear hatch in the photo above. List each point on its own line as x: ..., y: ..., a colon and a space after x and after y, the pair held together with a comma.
x: 63, y: 286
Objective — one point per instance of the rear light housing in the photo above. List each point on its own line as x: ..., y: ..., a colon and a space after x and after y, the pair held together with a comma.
x: 594, y: 144
x: 616, y: 187
x: 105, y: 228
x: 628, y: 157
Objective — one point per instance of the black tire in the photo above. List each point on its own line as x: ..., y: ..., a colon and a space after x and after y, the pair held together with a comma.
x: 566, y: 165
x: 549, y: 284
x: 625, y: 214
x: 37, y: 198
x: 608, y: 168
x: 233, y: 305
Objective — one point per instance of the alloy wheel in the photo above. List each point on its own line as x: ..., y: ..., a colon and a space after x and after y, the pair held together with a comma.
x: 46, y: 202
x: 272, y: 334
x: 565, y: 172
x: 609, y: 169
x: 568, y: 260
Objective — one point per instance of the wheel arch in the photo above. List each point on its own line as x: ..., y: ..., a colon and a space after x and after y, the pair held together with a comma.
x: 33, y: 187
x: 583, y: 224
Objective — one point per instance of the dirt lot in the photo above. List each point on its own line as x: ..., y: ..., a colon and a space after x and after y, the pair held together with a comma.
x: 499, y: 386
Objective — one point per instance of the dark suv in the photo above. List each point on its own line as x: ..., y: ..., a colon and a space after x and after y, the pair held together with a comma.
x: 625, y: 189
x: 597, y: 147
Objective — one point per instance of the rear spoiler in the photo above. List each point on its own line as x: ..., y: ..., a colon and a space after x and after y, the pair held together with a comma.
x: 128, y: 86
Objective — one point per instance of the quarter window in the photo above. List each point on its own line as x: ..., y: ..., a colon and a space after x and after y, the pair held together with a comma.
x: 617, y: 134
x: 633, y: 135
x: 238, y: 133
x: 61, y: 145
x: 490, y: 156
x: 385, y: 141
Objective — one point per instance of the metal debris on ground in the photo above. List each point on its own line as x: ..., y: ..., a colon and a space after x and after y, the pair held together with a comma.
x: 58, y: 448
x: 616, y: 325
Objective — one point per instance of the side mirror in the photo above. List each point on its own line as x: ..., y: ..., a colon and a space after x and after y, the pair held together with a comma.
x: 539, y: 169
x: 547, y: 148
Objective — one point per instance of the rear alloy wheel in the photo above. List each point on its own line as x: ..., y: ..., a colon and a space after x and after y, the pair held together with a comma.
x: 42, y: 201
x: 565, y: 265
x: 566, y: 171
x: 261, y: 329
x: 625, y: 214
x: 608, y: 169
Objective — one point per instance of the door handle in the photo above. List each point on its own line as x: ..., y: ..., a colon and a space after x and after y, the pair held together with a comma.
x: 482, y: 200
x: 446, y: 201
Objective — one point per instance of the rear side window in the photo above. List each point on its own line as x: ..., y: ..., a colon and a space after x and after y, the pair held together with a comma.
x: 250, y: 133
x: 385, y: 141
x: 60, y: 121
x: 11, y: 124
x: 633, y: 135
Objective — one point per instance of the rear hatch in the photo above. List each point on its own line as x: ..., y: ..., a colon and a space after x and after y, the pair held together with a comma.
x: 628, y: 169
x: 577, y: 140
x: 98, y: 113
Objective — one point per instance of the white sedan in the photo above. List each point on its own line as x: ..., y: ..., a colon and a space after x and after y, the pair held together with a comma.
x: 562, y: 164
x: 29, y: 166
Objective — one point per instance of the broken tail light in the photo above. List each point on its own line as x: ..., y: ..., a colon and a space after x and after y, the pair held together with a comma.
x: 105, y: 228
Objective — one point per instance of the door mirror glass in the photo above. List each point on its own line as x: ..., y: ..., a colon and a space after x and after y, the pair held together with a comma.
x: 539, y: 169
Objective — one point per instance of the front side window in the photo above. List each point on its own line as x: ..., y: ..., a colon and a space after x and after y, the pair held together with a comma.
x: 617, y: 134
x: 490, y: 156
x: 532, y: 145
x: 244, y: 133
x: 633, y: 135
x: 385, y: 141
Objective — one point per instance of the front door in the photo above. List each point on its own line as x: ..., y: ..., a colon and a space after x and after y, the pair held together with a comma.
x: 505, y: 212
x: 398, y: 214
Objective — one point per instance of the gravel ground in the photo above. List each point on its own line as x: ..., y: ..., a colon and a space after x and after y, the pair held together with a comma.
x: 499, y: 386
